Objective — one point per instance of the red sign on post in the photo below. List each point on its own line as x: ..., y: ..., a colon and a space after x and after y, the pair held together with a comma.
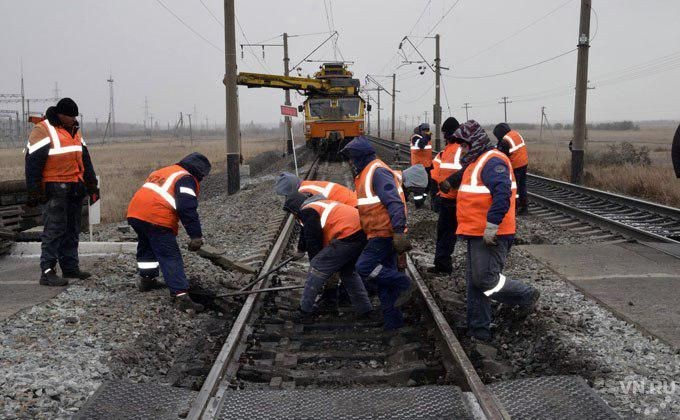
x: 289, y: 111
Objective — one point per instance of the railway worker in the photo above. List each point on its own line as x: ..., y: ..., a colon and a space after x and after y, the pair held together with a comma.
x: 486, y: 219
x: 445, y: 164
x: 288, y: 183
x: 168, y: 195
x: 512, y: 144
x: 333, y: 240
x: 675, y: 152
x: 421, y: 153
x: 59, y: 174
x: 382, y: 211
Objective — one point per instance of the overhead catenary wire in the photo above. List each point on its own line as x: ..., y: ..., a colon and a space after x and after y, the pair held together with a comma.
x: 198, y: 34
x: 485, y: 76
x: 252, y: 52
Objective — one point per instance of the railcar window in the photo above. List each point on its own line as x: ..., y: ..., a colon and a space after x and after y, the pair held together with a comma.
x: 349, y: 106
x: 319, y: 108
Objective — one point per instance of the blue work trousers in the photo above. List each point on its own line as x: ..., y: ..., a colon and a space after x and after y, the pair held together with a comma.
x: 485, y: 282
x: 377, y: 265
x: 521, y: 178
x: 446, y: 235
x: 338, y: 257
x: 61, y: 221
x: 157, y: 247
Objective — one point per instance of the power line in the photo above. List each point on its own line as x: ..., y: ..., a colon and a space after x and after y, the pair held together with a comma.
x: 243, y: 33
x: 514, y: 70
x: 219, y: 22
x: 517, y: 32
x: 189, y: 27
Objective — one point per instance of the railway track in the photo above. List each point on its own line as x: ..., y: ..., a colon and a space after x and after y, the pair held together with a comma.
x: 608, y: 216
x: 270, y: 357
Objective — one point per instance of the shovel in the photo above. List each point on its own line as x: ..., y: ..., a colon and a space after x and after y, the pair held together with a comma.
x: 216, y: 257
x: 265, y: 275
x: 250, y: 292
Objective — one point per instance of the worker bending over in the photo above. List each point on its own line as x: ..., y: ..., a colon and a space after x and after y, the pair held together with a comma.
x: 382, y: 211
x: 59, y: 174
x: 421, y: 153
x: 512, y: 144
x: 333, y: 240
x: 287, y: 184
x: 445, y: 164
x: 168, y: 195
x: 486, y: 219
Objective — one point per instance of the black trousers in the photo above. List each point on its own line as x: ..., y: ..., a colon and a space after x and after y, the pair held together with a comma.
x: 61, y: 220
x: 446, y: 234
x: 521, y: 178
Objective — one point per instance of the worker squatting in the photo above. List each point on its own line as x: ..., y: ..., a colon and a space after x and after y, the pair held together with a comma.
x: 358, y: 235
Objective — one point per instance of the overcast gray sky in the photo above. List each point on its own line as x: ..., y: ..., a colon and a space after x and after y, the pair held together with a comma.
x: 150, y: 53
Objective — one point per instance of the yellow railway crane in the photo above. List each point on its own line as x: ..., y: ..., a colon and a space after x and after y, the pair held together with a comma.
x: 333, y: 109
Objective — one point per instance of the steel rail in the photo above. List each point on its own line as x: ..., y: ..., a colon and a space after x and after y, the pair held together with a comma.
x: 204, y: 399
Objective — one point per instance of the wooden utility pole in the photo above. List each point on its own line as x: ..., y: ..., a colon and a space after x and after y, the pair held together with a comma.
x: 505, y: 103
x: 466, y: 106
x: 379, y: 111
x: 368, y: 113
x: 286, y: 72
x: 191, y: 133
x: 578, y: 144
x: 437, y: 111
x: 394, y: 96
x: 232, y: 124
x: 540, y: 133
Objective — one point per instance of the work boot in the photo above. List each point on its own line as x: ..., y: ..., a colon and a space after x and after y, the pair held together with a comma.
x: 187, y: 305
x: 526, y: 310
x: 439, y: 271
x: 75, y: 274
x: 146, y: 284
x: 49, y: 277
x: 303, y: 317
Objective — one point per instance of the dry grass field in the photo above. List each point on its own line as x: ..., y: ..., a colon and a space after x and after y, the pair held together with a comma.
x: 123, y: 167
x: 655, y: 182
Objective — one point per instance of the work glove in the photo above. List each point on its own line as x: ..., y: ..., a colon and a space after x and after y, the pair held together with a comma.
x: 195, y: 244
x: 401, y: 243
x: 93, y: 194
x: 36, y: 196
x: 445, y: 186
x: 299, y: 255
x: 490, y: 234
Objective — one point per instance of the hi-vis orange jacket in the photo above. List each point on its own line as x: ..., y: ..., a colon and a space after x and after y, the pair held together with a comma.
x: 375, y: 219
x: 518, y: 150
x: 330, y: 190
x: 155, y: 201
x: 418, y: 155
x: 445, y: 164
x: 64, y: 161
x: 338, y: 220
x: 474, y: 199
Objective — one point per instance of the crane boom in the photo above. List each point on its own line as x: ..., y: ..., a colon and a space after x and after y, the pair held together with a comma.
x: 339, y: 86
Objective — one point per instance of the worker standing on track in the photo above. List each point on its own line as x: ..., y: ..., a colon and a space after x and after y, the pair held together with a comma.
x: 59, y: 174
x: 445, y: 164
x: 382, y: 210
x: 288, y: 183
x: 421, y: 153
x: 486, y: 219
x: 333, y: 239
x: 168, y: 195
x: 512, y: 144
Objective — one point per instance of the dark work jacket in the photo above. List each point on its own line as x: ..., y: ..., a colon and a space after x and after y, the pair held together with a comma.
x: 675, y: 152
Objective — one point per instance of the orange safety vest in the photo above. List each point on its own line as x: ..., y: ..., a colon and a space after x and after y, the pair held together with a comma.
x: 474, y: 199
x: 375, y: 220
x: 338, y: 220
x: 421, y: 156
x: 155, y: 201
x: 65, y: 159
x: 518, y: 149
x: 330, y: 190
x: 445, y: 164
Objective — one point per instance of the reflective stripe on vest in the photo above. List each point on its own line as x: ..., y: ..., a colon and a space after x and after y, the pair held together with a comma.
x: 163, y: 190
x: 428, y: 147
x: 56, y: 143
x: 456, y: 161
x: 370, y: 197
x: 325, y: 210
x: 325, y: 191
x: 474, y: 185
x: 513, y: 146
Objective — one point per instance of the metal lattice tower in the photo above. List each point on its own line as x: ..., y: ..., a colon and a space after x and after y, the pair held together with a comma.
x: 112, y: 115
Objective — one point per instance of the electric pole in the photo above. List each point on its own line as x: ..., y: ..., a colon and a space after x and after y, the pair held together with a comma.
x: 368, y: 113
x: 231, y: 90
x: 437, y: 114
x: 505, y: 103
x: 57, y: 95
x: 286, y: 72
x: 426, y: 119
x: 540, y: 133
x: 191, y: 133
x: 112, y: 115
x: 466, y: 106
x: 394, y: 96
x: 379, y: 112
x: 578, y: 144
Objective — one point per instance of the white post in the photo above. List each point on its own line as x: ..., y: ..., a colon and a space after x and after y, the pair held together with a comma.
x: 292, y: 140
